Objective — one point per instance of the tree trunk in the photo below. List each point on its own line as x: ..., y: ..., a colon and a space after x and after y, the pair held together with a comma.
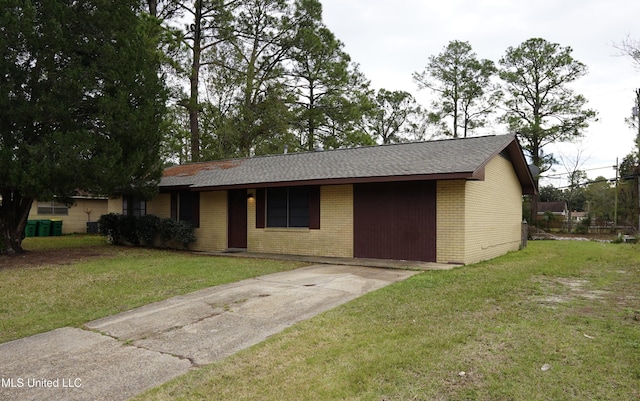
x: 153, y: 7
x: 14, y: 211
x: 536, y: 159
x: 194, y: 79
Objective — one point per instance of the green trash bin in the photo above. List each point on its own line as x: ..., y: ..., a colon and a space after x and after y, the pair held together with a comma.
x: 56, y: 227
x: 44, y: 228
x: 30, y: 228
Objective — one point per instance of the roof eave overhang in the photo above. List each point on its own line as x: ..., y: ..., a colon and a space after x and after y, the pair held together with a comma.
x: 521, y: 168
x: 519, y: 163
x: 173, y: 188
x: 476, y: 175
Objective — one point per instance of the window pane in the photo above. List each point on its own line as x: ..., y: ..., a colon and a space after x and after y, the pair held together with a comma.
x: 53, y: 208
x: 298, y: 207
x: 186, y: 207
x: 277, y: 207
x: 139, y: 207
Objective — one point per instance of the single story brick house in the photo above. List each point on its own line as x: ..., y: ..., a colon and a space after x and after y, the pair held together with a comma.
x: 446, y: 201
x: 85, y: 208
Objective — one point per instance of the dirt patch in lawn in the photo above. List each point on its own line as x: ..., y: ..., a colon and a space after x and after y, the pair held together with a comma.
x: 52, y: 257
x: 566, y: 289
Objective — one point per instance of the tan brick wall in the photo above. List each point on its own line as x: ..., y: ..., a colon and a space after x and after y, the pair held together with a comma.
x: 479, y: 220
x: 114, y: 205
x: 450, y: 220
x: 159, y: 206
x: 493, y: 212
x: 334, y: 238
x: 212, y: 234
x: 76, y: 220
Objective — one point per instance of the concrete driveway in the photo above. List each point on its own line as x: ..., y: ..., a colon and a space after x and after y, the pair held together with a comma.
x: 118, y: 357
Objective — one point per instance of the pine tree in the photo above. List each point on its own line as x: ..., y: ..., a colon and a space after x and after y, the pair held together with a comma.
x: 80, y: 104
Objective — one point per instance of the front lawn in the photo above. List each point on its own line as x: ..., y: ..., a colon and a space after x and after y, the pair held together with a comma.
x: 70, y: 280
x: 558, y: 321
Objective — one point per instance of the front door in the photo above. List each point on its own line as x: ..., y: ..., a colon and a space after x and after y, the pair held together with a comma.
x: 237, y: 224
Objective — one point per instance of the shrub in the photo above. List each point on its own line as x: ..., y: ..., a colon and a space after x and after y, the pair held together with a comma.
x: 179, y: 232
x: 184, y: 233
x: 144, y: 230
x: 147, y: 229
x: 583, y: 226
x: 109, y: 226
x: 129, y: 229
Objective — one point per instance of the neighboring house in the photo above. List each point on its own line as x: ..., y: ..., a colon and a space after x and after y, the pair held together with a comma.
x: 577, y: 217
x: 85, y: 208
x: 561, y: 213
x: 556, y: 208
x: 449, y: 201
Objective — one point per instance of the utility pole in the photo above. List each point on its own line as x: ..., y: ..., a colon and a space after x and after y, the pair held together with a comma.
x: 636, y: 115
x: 615, y: 207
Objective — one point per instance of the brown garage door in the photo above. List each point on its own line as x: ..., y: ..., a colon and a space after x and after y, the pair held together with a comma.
x: 395, y: 220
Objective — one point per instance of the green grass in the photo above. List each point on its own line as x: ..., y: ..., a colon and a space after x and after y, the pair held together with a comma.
x: 41, y: 298
x: 64, y: 241
x: 574, y: 306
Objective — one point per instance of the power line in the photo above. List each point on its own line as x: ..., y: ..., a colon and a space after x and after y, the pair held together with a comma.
x: 568, y: 173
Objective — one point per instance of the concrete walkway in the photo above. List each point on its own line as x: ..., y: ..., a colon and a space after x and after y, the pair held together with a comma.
x: 118, y: 357
x: 383, y: 263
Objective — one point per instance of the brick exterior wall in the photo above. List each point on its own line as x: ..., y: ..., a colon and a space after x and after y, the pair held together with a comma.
x: 114, y: 205
x: 450, y: 220
x: 493, y: 212
x: 212, y: 234
x: 479, y: 220
x: 159, y: 206
x: 334, y: 238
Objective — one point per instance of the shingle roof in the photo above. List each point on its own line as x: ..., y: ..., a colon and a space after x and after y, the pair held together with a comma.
x: 554, y: 207
x: 453, y: 158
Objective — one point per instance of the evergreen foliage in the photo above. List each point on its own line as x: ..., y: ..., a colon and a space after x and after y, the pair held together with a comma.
x: 81, y: 103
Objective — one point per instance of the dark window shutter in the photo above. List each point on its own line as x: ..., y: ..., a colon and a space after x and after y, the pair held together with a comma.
x: 314, y: 208
x: 260, y: 208
x: 195, y: 211
x: 185, y: 207
x: 174, y: 206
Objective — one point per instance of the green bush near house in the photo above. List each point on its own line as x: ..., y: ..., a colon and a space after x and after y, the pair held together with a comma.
x: 148, y: 230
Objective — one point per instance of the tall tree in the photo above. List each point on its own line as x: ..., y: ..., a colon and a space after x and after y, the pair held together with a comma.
x: 321, y: 75
x: 630, y: 47
x: 599, y: 197
x: 576, y: 177
x: 80, y: 104
x: 634, y: 119
x: 397, y: 117
x: 251, y: 58
x: 319, y: 69
x: 207, y: 27
x: 347, y: 111
x: 541, y: 106
x: 463, y: 85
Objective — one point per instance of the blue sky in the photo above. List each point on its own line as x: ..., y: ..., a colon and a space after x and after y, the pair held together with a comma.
x: 391, y: 40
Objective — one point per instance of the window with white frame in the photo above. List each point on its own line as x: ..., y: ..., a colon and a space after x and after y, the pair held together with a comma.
x: 53, y: 207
